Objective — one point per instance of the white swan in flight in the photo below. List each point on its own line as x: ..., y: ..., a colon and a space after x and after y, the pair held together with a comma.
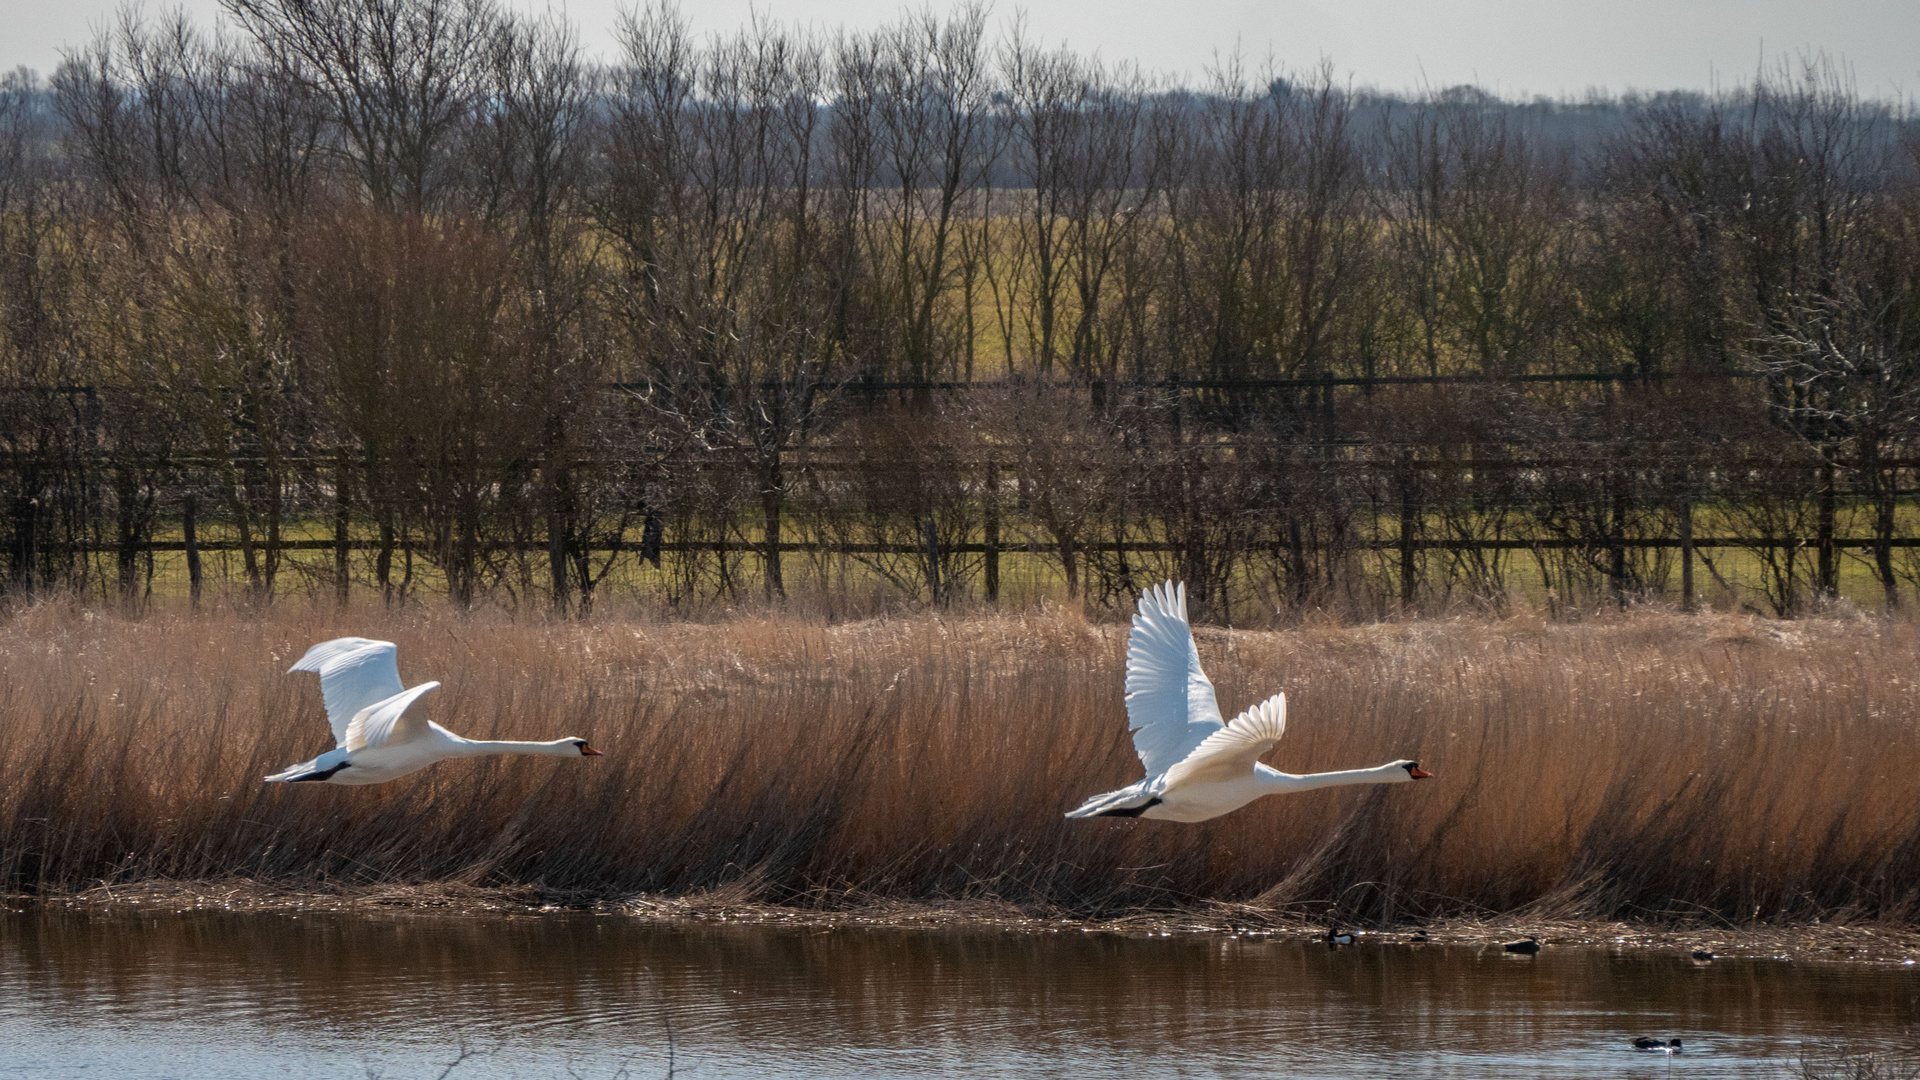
x: 1198, y: 767
x: 367, y: 706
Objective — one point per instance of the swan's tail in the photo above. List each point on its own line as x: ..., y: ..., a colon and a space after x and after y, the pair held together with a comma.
x: 1129, y: 801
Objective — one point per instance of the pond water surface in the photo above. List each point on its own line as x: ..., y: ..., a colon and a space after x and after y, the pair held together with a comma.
x: 210, y: 996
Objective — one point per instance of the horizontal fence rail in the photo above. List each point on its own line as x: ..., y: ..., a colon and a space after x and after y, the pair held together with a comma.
x: 858, y: 384
x: 1394, y: 511
x: 791, y: 547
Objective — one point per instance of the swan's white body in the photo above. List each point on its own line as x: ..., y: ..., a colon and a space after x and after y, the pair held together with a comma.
x: 1197, y: 766
x: 377, y: 740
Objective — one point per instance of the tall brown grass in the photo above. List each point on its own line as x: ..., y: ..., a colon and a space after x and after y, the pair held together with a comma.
x: 1653, y: 765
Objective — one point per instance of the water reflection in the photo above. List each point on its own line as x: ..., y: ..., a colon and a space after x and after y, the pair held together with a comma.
x: 211, y: 996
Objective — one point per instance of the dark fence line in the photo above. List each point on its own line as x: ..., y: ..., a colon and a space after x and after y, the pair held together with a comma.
x: 1149, y: 547
x: 1626, y: 374
x: 811, y: 459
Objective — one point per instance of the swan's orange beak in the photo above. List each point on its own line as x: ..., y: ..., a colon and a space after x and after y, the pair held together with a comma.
x: 588, y: 751
x: 1418, y: 773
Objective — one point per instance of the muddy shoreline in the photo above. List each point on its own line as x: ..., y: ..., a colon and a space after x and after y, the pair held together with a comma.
x: 1857, y: 943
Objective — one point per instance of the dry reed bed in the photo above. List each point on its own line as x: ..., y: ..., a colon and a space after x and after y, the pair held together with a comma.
x: 1651, y: 766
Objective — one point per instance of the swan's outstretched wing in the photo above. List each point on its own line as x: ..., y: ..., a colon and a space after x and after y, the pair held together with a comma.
x: 1170, y: 704
x: 386, y: 722
x: 1231, y: 751
x: 354, y: 674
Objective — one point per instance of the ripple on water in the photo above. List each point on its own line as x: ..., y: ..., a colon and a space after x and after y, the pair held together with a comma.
x: 214, y: 995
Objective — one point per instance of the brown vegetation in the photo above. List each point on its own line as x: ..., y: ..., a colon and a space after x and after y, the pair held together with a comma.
x: 1658, y: 767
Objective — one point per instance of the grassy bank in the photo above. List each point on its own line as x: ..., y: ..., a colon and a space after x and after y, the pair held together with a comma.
x: 1652, y: 766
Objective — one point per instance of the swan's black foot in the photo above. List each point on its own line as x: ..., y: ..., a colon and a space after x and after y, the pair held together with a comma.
x: 1131, y: 811
x: 320, y: 775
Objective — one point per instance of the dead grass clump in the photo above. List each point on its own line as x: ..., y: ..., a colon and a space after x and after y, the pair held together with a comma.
x: 1651, y: 767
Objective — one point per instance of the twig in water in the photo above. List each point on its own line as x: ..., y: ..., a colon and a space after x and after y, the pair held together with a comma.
x: 465, y: 1053
x: 666, y: 1019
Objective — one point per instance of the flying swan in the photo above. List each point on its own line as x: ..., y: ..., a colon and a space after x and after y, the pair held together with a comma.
x: 367, y: 706
x: 1198, y: 767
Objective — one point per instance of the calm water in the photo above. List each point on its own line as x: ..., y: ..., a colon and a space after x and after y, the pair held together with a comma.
x: 210, y: 996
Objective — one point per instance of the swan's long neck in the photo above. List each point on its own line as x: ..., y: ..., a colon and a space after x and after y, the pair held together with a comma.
x: 1275, y: 780
x: 483, y: 747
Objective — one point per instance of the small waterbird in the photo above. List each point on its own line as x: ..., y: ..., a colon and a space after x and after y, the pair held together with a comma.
x: 1703, y: 956
x: 1337, y: 936
x: 1197, y: 766
x: 377, y: 740
x: 1528, y: 946
x: 1655, y: 1046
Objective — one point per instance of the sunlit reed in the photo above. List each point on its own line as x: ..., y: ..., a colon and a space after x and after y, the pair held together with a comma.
x: 1654, y: 765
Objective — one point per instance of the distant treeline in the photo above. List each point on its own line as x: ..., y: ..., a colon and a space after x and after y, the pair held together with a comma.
x: 412, y: 279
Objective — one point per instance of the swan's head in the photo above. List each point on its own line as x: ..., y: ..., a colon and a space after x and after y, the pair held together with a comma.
x: 581, y: 745
x: 1414, y: 771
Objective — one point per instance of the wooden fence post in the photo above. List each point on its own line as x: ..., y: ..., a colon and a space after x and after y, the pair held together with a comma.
x: 1686, y: 553
x: 342, y: 540
x: 127, y: 549
x: 26, y: 523
x: 992, y: 533
x: 1617, y: 540
x: 187, y: 523
x: 558, y: 530
x: 1827, y: 567
x: 1887, y: 481
x: 1409, y: 525
x: 931, y: 533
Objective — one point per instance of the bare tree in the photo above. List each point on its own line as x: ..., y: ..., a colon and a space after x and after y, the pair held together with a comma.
x: 729, y: 312
x: 923, y: 93
x: 400, y: 77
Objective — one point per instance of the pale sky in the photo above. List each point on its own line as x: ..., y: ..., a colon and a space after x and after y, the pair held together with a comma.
x: 1514, y: 47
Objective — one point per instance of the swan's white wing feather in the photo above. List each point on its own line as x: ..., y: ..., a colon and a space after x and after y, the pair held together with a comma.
x: 1230, y: 752
x: 1170, y: 702
x: 354, y: 674
x: 385, y: 722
